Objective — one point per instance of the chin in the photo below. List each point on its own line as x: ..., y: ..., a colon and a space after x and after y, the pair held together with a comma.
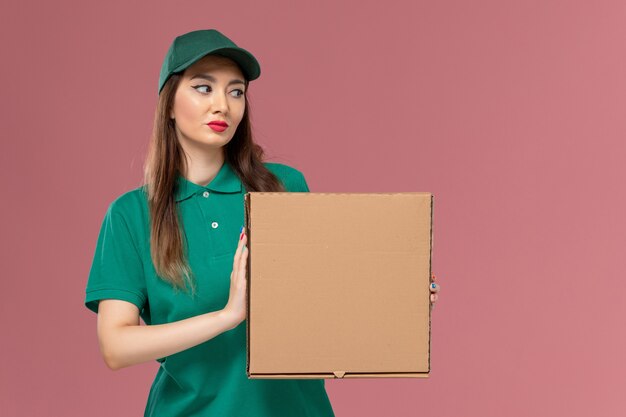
x: 214, y: 140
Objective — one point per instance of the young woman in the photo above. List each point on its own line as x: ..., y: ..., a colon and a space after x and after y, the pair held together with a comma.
x: 173, y: 251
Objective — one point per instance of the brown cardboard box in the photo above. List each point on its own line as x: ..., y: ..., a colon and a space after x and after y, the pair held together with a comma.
x: 338, y: 284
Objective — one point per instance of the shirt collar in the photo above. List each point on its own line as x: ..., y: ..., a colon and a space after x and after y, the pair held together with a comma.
x: 226, y: 181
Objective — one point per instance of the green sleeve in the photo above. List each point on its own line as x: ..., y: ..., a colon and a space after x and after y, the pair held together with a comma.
x: 303, y: 186
x: 116, y: 270
x: 292, y: 178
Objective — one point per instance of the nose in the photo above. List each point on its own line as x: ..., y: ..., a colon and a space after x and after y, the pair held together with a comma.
x: 220, y: 102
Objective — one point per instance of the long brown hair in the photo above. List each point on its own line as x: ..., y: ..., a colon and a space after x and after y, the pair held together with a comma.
x: 165, y: 160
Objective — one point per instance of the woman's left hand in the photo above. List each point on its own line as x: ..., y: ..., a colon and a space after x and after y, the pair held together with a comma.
x: 434, y: 289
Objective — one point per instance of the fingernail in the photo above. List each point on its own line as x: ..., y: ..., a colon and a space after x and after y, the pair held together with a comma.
x: 241, y: 229
x: 433, y: 285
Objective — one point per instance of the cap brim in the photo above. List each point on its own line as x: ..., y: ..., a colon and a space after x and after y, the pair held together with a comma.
x: 246, y: 61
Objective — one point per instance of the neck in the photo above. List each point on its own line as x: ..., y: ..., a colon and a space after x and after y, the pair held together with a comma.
x: 203, y: 164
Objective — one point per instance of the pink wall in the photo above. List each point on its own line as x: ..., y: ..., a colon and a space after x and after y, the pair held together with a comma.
x: 511, y: 113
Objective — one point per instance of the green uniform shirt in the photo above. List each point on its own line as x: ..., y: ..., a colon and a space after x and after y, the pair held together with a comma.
x: 208, y: 379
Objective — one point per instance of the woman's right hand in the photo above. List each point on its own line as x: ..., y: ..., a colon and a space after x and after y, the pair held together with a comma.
x: 236, y: 307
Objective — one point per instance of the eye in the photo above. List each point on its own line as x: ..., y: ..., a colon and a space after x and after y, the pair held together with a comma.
x: 198, y: 87
x: 201, y: 86
x: 240, y: 95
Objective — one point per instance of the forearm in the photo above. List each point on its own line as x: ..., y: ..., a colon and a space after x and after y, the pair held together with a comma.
x: 135, y: 344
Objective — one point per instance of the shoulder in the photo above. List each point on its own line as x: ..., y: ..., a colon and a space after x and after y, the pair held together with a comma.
x: 291, y: 177
x: 282, y: 170
x: 127, y: 217
x: 130, y: 207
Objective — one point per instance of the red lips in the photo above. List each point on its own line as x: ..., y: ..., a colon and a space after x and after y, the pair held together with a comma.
x: 218, y: 123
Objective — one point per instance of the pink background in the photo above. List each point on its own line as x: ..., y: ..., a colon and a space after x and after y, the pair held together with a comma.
x: 511, y: 113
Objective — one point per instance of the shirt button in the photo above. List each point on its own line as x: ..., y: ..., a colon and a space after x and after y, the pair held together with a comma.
x: 205, y: 194
x: 214, y: 225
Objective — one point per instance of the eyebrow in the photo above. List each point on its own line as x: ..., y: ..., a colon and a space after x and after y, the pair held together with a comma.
x: 212, y: 79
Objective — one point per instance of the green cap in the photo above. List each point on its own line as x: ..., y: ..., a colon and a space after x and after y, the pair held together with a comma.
x: 190, y: 47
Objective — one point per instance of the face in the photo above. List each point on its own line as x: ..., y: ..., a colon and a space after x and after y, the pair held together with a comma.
x: 212, y: 89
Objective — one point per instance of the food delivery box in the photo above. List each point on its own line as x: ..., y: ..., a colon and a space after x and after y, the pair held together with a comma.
x: 338, y: 284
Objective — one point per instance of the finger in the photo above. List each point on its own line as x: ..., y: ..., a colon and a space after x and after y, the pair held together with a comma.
x: 433, y: 277
x: 242, y: 278
x: 236, y: 259
x: 242, y: 261
x: 433, y: 298
x: 242, y: 240
x: 242, y: 236
x: 434, y: 287
x: 239, y: 243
